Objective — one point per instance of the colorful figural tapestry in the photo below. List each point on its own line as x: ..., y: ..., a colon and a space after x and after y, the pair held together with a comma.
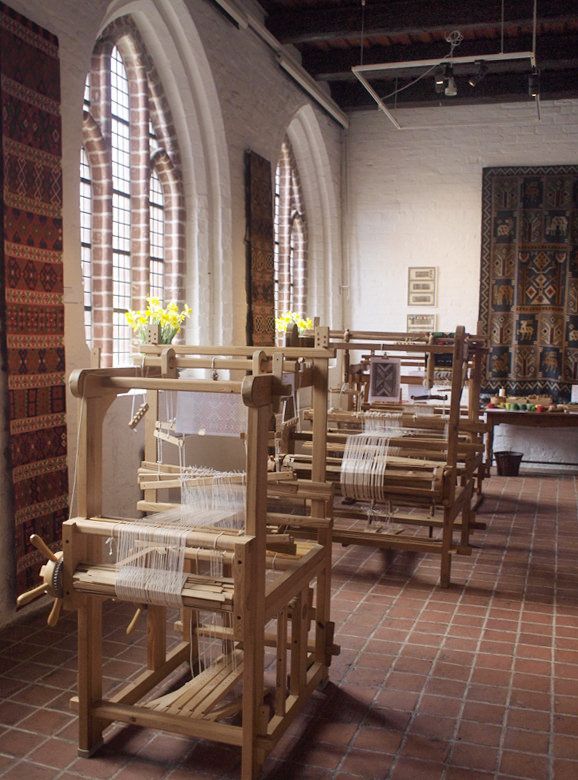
x: 529, y: 279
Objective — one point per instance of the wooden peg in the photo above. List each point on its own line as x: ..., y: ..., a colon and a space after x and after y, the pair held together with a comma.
x: 132, y: 625
x: 169, y: 363
x: 31, y: 595
x: 42, y: 547
x: 54, y: 613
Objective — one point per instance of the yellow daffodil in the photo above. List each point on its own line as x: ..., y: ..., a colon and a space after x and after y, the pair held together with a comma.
x: 288, y: 318
x: 168, y: 319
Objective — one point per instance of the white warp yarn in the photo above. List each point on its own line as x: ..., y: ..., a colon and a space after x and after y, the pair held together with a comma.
x: 151, y: 551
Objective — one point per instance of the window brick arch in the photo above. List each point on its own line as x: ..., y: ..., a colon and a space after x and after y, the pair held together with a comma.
x: 130, y: 143
x: 290, y: 236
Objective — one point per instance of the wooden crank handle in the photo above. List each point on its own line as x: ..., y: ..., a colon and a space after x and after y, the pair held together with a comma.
x: 54, y: 613
x: 31, y: 595
x: 42, y: 547
x: 132, y: 625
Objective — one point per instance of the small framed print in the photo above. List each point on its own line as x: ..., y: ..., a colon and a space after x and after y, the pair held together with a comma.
x: 422, y: 286
x: 419, y: 323
x: 420, y: 274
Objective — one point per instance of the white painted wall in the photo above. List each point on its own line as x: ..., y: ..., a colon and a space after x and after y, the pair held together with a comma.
x: 414, y: 198
x: 227, y: 94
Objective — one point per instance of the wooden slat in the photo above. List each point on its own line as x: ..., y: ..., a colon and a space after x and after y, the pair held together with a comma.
x: 175, y: 724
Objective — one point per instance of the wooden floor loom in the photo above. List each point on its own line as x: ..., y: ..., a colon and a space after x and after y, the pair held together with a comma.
x: 303, y: 368
x: 426, y: 467
x: 261, y: 598
x: 354, y: 382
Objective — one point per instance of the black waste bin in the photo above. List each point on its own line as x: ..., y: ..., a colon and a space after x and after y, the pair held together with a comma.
x: 508, y: 463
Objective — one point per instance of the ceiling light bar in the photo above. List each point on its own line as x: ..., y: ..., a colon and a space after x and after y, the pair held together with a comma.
x: 360, y: 72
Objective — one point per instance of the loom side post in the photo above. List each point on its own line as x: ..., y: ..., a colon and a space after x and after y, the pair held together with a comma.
x: 156, y: 616
x: 156, y: 636
x: 319, y: 508
x: 92, y: 410
x: 150, y: 441
x: 254, y: 628
x: 89, y: 675
x: 458, y: 358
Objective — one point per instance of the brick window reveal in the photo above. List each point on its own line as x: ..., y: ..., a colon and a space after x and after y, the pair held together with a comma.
x: 132, y: 202
x: 290, y: 236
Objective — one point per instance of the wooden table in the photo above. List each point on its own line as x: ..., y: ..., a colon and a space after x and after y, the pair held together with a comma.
x: 526, y: 420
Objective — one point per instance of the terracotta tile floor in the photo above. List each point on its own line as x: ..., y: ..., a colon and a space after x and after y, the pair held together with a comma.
x: 477, y: 681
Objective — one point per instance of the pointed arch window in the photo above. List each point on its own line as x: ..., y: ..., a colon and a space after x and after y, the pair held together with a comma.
x: 131, y: 181
x: 290, y: 236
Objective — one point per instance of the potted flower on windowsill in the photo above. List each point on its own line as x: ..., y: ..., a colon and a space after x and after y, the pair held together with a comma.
x: 295, y: 329
x: 156, y: 324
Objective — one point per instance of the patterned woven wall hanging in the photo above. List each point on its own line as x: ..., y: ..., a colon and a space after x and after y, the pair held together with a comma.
x: 529, y: 279
x: 31, y: 304
x: 260, y: 273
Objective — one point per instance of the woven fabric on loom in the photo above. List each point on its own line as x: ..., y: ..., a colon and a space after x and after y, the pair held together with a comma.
x: 529, y: 279
x: 31, y: 305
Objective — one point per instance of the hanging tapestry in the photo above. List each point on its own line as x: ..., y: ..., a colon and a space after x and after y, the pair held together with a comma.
x: 31, y: 299
x: 529, y: 279
x: 260, y: 274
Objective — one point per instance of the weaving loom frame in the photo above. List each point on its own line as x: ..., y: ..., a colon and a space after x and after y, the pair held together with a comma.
x: 452, y: 489
x: 470, y: 417
x: 310, y: 369
x: 252, y: 605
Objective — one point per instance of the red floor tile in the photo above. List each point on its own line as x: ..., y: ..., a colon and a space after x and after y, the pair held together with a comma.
x: 18, y: 743
x: 480, y: 733
x: 526, y: 741
x: 411, y: 769
x: 377, y: 739
x: 565, y: 770
x: 56, y: 753
x: 523, y: 765
x: 26, y: 770
x: 431, y: 683
x: 368, y: 764
x: 475, y: 757
x: 565, y: 746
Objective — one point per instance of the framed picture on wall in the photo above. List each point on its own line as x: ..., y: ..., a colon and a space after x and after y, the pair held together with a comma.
x: 418, y: 323
x: 422, y: 286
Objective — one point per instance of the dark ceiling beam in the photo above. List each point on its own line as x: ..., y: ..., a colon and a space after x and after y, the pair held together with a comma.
x: 410, y: 17
x: 505, y: 88
x: 552, y: 52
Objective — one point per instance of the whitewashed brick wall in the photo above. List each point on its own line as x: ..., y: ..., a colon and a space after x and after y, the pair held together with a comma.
x: 414, y: 198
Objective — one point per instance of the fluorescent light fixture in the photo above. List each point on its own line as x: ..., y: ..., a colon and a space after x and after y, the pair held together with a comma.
x: 300, y: 75
x: 364, y: 72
